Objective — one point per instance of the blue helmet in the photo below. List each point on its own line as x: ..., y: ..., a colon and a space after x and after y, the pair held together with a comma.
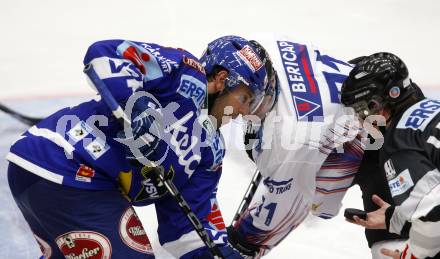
x: 246, y: 62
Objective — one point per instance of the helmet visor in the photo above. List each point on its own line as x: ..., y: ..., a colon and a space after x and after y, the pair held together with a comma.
x: 263, y: 104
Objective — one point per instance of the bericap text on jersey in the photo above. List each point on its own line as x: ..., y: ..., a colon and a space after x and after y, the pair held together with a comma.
x: 293, y: 73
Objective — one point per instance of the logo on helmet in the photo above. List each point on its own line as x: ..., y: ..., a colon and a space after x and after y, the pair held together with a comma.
x: 248, y: 55
x: 394, y: 92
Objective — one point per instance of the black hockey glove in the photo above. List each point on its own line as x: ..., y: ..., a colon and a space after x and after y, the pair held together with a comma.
x: 143, y: 186
x: 246, y: 249
x: 227, y: 252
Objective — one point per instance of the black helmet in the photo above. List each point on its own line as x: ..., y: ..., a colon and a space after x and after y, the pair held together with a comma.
x: 376, y: 81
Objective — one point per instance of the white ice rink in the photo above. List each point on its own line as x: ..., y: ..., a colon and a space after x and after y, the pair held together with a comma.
x: 43, y: 42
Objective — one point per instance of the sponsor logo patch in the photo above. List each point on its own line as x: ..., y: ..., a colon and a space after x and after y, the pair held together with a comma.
x: 207, y: 124
x: 192, y: 88
x: 248, y: 55
x: 84, y: 174
x: 97, y: 148
x: 214, y: 141
x: 278, y: 187
x: 303, y: 86
x: 315, y: 207
x: 194, y: 64
x: 390, y: 172
x: 394, y: 92
x: 84, y: 245
x: 418, y: 116
x: 132, y: 232
x: 145, y: 61
x: 402, y: 183
x: 79, y: 131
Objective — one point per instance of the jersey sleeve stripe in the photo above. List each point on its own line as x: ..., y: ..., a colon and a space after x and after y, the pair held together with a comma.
x: 33, y: 168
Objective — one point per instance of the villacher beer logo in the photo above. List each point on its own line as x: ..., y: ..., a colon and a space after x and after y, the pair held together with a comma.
x: 84, y: 245
x: 132, y: 232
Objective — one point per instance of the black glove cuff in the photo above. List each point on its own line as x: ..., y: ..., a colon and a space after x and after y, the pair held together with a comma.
x: 388, y: 214
x: 242, y: 246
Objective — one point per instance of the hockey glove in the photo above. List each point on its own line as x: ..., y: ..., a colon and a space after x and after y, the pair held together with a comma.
x: 227, y: 252
x: 246, y: 249
x: 152, y: 187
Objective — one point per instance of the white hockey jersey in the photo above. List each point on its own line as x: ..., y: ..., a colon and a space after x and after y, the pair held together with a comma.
x: 308, y: 153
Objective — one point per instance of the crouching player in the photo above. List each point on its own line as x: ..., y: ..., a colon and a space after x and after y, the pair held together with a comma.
x: 76, y: 174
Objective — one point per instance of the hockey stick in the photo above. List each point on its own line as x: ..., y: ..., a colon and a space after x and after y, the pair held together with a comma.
x: 175, y: 193
x: 20, y: 117
x: 250, y: 192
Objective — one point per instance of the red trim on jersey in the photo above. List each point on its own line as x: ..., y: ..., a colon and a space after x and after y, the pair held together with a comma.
x: 305, y: 64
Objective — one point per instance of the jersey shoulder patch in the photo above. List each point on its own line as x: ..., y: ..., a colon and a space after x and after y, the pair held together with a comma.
x: 193, y: 64
x: 192, y: 88
x: 418, y: 116
x: 146, y: 61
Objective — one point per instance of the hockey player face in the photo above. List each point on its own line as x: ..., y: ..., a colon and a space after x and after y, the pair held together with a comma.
x: 230, y: 104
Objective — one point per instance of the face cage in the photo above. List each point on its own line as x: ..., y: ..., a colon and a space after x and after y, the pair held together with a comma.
x: 364, y: 109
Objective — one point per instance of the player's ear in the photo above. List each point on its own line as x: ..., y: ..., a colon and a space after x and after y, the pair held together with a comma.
x: 220, y: 79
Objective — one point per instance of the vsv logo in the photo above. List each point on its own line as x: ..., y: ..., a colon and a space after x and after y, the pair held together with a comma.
x: 123, y: 67
x: 150, y: 188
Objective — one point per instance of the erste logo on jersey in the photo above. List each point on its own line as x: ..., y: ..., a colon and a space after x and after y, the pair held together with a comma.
x: 192, y: 88
x: 300, y: 77
x: 418, y: 116
x: 248, y: 55
x: 402, y: 183
x: 84, y: 244
x: 132, y: 232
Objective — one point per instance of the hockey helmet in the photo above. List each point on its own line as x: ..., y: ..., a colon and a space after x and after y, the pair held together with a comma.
x: 376, y: 81
x: 248, y: 63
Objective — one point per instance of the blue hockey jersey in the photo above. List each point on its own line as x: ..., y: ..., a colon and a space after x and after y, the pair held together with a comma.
x: 78, y: 146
